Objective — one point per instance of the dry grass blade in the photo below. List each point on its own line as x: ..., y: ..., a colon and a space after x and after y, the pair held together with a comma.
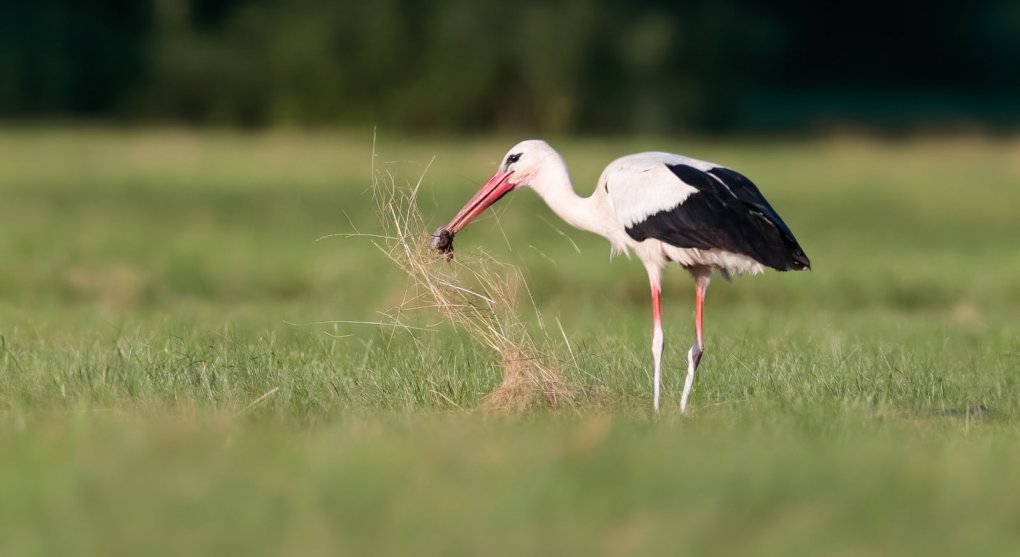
x: 475, y: 292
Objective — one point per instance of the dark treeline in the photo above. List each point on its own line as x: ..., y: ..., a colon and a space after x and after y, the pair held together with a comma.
x: 468, y: 65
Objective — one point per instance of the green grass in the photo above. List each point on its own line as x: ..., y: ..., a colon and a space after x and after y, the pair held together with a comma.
x: 171, y: 381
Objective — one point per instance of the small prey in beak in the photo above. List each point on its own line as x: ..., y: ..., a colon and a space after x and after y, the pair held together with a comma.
x: 442, y: 241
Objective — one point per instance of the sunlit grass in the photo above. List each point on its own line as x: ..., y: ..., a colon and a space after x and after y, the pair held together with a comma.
x: 177, y: 374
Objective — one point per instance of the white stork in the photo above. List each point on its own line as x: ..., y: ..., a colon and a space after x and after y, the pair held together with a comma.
x: 664, y: 208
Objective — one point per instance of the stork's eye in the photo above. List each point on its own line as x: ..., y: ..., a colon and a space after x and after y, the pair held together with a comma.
x: 513, y: 158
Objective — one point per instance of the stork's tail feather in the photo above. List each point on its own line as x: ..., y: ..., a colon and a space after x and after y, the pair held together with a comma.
x: 801, y: 261
x: 796, y: 259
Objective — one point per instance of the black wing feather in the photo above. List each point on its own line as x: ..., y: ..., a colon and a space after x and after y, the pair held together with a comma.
x: 727, y: 212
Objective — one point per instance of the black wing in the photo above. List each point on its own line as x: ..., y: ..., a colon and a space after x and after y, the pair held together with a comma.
x: 728, y: 212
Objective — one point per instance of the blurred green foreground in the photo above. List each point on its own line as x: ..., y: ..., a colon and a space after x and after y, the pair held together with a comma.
x: 175, y: 377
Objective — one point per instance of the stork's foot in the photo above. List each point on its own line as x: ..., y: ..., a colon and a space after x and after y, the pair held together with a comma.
x: 693, y: 359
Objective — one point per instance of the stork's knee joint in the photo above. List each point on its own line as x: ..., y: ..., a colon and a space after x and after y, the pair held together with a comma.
x: 696, y: 353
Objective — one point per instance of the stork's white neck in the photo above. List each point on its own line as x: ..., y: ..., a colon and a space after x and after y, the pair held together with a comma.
x: 553, y: 185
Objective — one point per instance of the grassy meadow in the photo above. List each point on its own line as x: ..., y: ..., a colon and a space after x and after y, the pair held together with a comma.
x: 180, y: 373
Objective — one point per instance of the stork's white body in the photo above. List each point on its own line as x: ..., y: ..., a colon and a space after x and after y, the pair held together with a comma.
x: 663, y: 208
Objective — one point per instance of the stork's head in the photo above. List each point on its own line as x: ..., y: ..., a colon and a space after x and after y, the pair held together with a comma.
x: 524, y: 164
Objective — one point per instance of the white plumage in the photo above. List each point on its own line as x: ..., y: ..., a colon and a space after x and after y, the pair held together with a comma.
x: 642, y: 185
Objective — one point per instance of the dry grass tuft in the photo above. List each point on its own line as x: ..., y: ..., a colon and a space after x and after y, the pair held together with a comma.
x: 475, y: 292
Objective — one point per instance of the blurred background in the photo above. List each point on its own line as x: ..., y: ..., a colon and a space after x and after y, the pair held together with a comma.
x: 179, y: 374
x: 609, y: 66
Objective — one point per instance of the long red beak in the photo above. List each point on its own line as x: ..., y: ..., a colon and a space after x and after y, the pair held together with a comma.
x: 497, y: 186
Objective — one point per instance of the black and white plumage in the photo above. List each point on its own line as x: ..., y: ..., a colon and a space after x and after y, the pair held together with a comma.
x: 663, y: 208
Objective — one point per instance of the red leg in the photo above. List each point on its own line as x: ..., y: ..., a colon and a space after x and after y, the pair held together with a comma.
x: 699, y: 307
x: 656, y: 343
x: 656, y: 311
x: 694, y: 356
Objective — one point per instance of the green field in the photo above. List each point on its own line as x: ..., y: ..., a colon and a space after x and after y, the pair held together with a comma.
x: 175, y: 378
